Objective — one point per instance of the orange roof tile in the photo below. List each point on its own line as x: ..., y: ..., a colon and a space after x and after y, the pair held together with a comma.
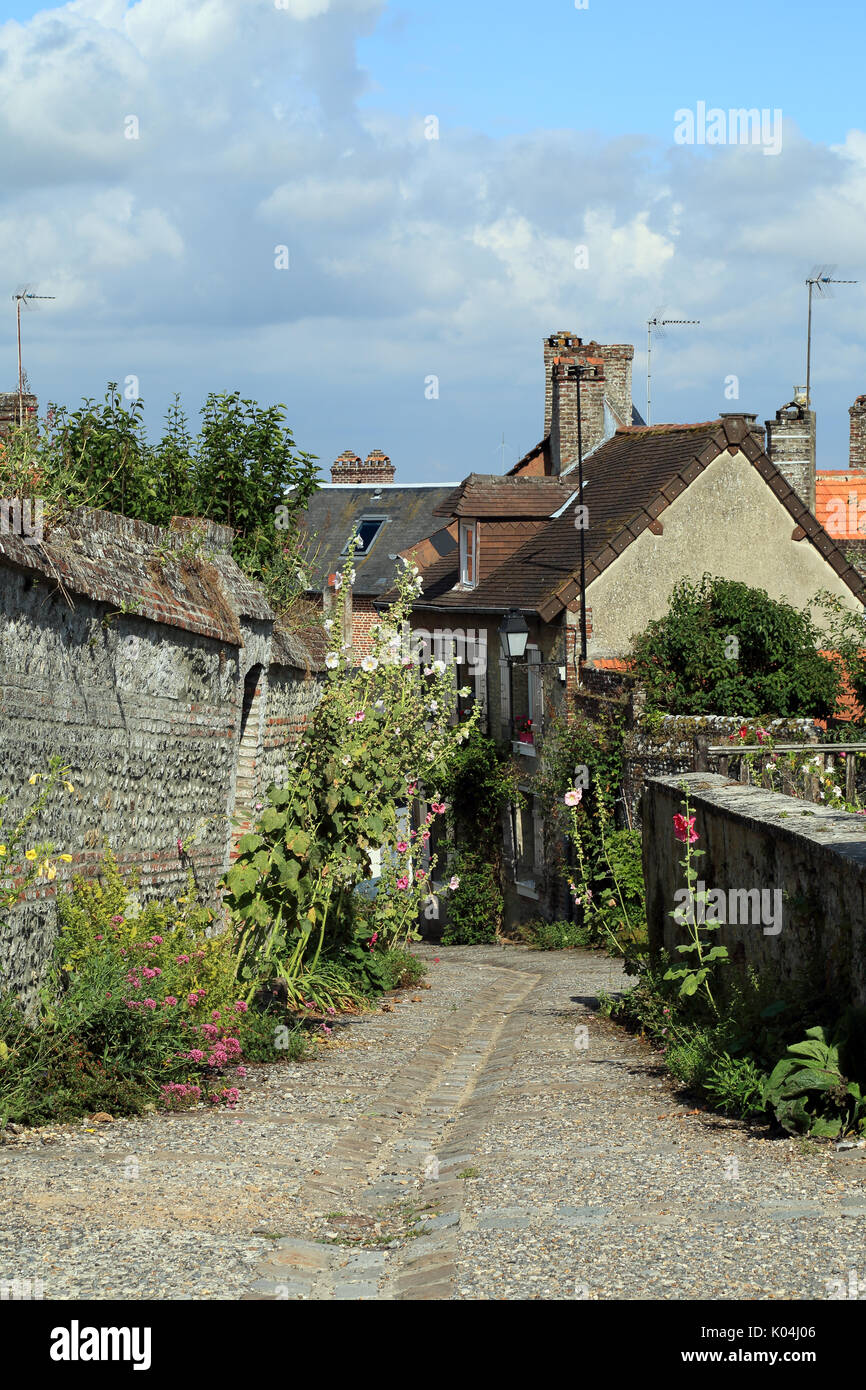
x: 840, y: 503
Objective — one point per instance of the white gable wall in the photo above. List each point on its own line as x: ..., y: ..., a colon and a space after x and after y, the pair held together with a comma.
x: 727, y: 523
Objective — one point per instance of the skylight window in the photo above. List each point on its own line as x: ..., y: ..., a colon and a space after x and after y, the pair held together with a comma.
x: 368, y: 529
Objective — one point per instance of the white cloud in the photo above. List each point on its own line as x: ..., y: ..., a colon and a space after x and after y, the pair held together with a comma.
x: 405, y: 252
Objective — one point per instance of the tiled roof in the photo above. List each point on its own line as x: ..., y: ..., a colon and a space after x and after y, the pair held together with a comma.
x: 628, y: 483
x: 848, y: 487
x: 136, y: 568
x: 129, y: 565
x: 489, y: 495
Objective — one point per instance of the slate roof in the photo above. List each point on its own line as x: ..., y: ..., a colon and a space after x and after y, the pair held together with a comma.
x: 411, y: 516
x: 628, y: 483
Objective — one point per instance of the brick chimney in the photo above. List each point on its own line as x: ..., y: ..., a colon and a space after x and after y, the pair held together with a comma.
x: 378, y: 468
x: 617, y: 359
x: 350, y: 469
x: 9, y: 408
x: 791, y: 446
x: 857, y: 446
x: 565, y: 384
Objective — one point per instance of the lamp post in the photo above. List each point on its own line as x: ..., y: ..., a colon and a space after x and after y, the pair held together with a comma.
x: 583, y: 370
x: 513, y: 636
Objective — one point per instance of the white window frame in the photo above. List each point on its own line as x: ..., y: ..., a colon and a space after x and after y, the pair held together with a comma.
x: 468, y: 533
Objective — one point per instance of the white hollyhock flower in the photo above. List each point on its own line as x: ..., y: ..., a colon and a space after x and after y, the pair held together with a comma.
x: 439, y: 666
x: 369, y: 664
x: 328, y: 624
x: 332, y: 661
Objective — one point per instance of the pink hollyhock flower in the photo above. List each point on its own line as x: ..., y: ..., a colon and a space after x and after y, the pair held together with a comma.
x: 402, y: 882
x: 370, y: 946
x: 684, y: 829
x: 402, y: 846
x: 743, y: 731
x: 411, y: 786
x: 419, y: 874
x: 573, y: 797
x: 425, y: 835
x: 455, y: 882
x: 763, y: 733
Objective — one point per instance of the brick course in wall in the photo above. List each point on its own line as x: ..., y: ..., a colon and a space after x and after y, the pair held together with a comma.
x: 10, y: 408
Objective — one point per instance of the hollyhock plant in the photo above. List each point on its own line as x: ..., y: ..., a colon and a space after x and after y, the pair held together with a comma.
x: 380, y: 735
x: 684, y: 829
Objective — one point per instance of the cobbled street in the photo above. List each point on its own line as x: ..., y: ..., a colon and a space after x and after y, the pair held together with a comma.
x: 470, y: 1141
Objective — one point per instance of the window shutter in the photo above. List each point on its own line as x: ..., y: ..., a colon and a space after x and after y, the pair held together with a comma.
x: 538, y: 836
x: 536, y: 688
x: 504, y: 693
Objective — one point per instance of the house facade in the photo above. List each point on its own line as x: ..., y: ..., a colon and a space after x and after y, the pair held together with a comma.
x: 659, y: 503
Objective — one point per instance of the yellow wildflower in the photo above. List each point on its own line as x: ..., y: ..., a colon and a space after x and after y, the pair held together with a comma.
x: 67, y: 858
x: 34, y: 778
x: 2, y: 849
x: 30, y: 854
x: 69, y: 787
x: 50, y: 870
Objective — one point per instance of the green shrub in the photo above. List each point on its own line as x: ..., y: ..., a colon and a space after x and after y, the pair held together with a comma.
x: 684, y: 659
x: 475, y: 906
x: 734, y: 1085
x: 555, y: 936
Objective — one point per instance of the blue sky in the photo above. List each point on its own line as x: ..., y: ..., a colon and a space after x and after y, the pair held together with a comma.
x: 412, y: 257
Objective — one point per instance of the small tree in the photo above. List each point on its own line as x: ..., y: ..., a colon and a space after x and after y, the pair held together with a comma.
x: 726, y: 648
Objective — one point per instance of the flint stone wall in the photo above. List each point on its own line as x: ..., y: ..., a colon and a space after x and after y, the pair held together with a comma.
x: 147, y: 716
x: 755, y: 839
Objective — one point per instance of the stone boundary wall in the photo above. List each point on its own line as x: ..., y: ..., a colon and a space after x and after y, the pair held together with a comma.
x: 755, y: 839
x: 147, y: 715
x: 669, y: 748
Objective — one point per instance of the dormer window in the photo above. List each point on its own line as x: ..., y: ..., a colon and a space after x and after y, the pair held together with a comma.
x: 468, y: 554
x: 368, y: 529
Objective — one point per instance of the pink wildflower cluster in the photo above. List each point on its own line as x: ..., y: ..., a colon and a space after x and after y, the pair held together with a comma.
x: 177, y: 1096
x: 228, y: 1096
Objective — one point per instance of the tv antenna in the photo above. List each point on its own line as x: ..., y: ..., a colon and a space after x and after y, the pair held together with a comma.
x: 820, y: 279
x: 659, y: 324
x: 500, y: 450
x: 24, y: 296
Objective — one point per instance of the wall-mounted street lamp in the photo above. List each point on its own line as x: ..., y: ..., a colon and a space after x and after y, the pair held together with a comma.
x: 513, y: 635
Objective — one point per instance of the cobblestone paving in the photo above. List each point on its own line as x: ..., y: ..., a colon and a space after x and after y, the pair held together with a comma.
x: 496, y: 1139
